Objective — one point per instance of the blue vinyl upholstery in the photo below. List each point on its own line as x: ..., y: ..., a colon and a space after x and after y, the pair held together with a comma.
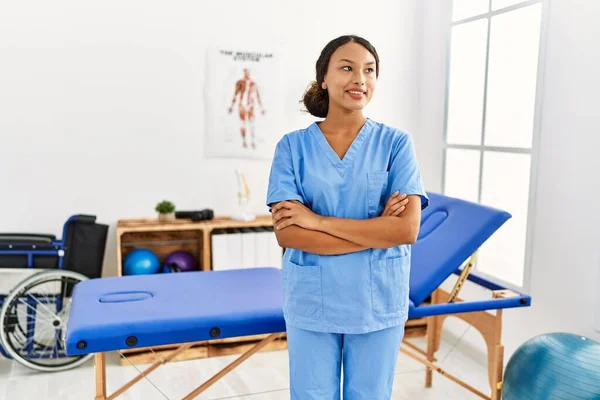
x: 149, y: 310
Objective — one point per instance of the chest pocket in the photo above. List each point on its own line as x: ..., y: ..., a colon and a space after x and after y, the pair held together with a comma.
x: 377, y: 186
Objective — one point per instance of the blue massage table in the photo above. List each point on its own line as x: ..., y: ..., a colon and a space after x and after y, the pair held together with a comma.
x: 118, y: 313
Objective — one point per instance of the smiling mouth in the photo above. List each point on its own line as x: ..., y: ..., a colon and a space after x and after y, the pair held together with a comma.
x: 356, y: 95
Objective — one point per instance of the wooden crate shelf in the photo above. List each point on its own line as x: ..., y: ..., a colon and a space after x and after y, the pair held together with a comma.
x: 163, y: 237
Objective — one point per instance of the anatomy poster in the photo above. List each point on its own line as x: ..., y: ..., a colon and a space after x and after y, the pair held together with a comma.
x: 243, y: 103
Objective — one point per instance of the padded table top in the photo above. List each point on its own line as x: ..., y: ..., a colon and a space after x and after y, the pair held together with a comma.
x: 149, y: 310
x: 451, y: 231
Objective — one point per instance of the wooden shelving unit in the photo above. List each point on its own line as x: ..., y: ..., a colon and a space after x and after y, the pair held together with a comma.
x: 180, y: 234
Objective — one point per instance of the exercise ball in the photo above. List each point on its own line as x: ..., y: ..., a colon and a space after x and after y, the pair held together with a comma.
x: 554, y: 366
x: 183, y: 259
x: 169, y: 268
x: 141, y: 262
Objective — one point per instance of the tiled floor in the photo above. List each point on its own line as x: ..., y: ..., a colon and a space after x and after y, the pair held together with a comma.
x: 262, y: 377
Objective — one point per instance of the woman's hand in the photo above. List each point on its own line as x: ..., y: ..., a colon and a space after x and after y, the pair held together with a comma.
x: 288, y: 213
x: 395, y: 205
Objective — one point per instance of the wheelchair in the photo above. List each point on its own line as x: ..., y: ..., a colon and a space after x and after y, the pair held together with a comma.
x: 34, y: 314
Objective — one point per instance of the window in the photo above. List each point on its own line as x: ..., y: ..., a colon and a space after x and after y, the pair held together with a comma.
x: 491, y: 121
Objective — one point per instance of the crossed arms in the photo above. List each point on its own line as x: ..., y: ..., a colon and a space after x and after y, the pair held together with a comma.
x: 298, y: 227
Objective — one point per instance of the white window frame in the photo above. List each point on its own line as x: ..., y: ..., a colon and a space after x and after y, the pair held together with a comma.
x: 533, y: 151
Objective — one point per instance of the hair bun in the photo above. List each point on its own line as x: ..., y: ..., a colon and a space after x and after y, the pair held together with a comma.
x: 316, y: 100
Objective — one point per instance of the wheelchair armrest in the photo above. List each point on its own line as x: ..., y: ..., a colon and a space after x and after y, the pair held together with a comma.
x: 22, y: 238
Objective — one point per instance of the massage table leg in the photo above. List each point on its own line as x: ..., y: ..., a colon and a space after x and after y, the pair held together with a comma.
x: 497, y: 373
x: 445, y: 373
x: 490, y: 327
x: 434, y: 323
x: 497, y: 357
x: 233, y: 365
x: 100, y: 368
x: 434, y: 329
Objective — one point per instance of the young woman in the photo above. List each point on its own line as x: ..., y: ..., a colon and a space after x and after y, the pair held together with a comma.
x: 346, y: 197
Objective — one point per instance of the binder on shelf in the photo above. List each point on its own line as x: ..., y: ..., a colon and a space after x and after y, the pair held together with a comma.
x: 261, y: 239
x: 245, y: 247
x: 249, y: 248
x: 220, y: 259
x: 234, y: 248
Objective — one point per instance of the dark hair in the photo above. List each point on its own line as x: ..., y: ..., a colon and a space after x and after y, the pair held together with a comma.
x: 316, y: 99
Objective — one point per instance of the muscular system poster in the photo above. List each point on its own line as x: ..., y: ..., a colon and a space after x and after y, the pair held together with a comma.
x: 243, y: 103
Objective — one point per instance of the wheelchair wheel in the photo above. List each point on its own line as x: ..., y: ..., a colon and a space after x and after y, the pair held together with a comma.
x: 33, y: 321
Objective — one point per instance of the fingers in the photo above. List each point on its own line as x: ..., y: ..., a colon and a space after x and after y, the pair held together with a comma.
x: 399, y: 205
x: 286, y: 222
x: 279, y: 215
x: 387, y: 211
x: 395, y: 197
x: 392, y: 199
x: 403, y: 202
x: 277, y: 207
x: 284, y: 204
x: 398, y: 211
x: 395, y: 201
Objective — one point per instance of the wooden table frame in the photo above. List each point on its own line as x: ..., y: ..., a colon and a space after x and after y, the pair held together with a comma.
x: 100, y: 369
x: 489, y: 326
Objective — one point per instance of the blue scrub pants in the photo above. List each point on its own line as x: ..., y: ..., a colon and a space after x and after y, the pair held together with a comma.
x: 367, y: 362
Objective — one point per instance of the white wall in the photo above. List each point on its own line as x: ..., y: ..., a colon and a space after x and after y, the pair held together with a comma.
x: 101, y: 111
x: 565, y: 273
x: 567, y: 244
x: 101, y: 104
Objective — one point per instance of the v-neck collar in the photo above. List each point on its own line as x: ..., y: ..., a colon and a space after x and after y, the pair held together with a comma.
x: 342, y: 164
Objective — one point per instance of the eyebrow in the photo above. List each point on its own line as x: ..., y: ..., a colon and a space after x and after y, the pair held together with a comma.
x: 352, y: 62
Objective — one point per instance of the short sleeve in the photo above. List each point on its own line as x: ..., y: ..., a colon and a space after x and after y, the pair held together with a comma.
x: 405, y: 175
x: 282, y: 179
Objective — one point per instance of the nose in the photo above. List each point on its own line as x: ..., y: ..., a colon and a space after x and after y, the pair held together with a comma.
x: 359, y: 78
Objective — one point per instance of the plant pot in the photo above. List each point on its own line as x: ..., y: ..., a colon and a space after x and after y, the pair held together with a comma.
x: 166, y: 216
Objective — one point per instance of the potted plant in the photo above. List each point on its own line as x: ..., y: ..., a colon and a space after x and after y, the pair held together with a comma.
x: 166, y: 210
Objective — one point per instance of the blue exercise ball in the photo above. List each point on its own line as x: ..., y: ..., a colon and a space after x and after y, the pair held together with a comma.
x: 141, y: 262
x: 554, y: 366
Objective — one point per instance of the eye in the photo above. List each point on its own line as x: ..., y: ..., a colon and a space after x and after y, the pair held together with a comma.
x: 347, y: 66
x: 370, y: 70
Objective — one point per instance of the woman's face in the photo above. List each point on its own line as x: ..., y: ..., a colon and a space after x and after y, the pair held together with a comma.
x: 351, y: 77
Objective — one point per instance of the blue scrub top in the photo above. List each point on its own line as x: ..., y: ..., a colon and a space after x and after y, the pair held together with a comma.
x: 350, y: 293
